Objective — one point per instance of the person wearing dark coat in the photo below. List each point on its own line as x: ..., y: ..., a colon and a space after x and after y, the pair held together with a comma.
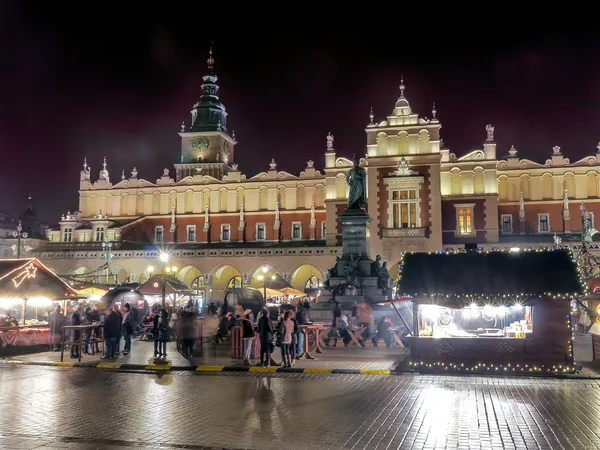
x: 94, y: 317
x: 155, y: 321
x: 188, y: 331
x: 163, y: 332
x: 56, y: 320
x: 76, y: 334
x: 265, y: 330
x: 112, y: 331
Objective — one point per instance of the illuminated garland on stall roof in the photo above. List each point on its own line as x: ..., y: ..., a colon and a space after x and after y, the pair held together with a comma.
x: 519, y: 368
x: 580, y: 273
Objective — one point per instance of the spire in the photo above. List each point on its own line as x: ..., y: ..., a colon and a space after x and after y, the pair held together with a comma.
x: 29, y: 205
x: 433, y: 111
x: 371, y: 116
x: 210, y: 62
x: 208, y: 114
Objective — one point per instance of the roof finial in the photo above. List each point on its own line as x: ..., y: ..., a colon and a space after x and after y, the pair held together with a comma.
x: 371, y: 116
x: 84, y: 163
x: 402, y: 87
x: 123, y: 174
x: 183, y: 127
x: 104, y: 163
x: 29, y: 206
x: 210, y: 61
x: 433, y: 111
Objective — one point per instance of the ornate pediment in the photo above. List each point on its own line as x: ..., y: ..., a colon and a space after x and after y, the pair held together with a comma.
x: 475, y: 155
x: 259, y: 177
x: 343, y: 162
x: 282, y: 175
x: 587, y: 161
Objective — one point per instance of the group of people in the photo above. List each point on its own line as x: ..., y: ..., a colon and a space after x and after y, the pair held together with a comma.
x: 362, y: 316
x: 287, y: 334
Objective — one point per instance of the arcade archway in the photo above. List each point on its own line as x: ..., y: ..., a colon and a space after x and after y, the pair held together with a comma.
x: 224, y: 277
x: 306, y: 276
x: 188, y: 274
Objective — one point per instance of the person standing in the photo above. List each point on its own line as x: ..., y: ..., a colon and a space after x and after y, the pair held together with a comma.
x: 188, y: 331
x: 286, y: 329
x: 127, y: 328
x: 76, y: 334
x: 119, y: 314
x: 248, y: 336
x: 112, y: 330
x: 56, y: 320
x: 163, y: 332
x: 265, y: 330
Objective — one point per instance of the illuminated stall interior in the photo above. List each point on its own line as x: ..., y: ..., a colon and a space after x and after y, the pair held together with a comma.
x: 475, y: 307
x: 28, y: 289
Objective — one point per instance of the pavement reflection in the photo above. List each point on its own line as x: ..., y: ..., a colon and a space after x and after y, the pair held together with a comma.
x: 42, y: 407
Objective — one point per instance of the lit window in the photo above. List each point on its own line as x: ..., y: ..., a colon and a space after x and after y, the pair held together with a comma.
x: 225, y: 232
x: 296, y: 230
x: 191, y: 233
x: 404, y: 205
x: 464, y: 219
x: 260, y: 232
x: 99, y: 234
x: 506, y: 223
x: 68, y: 235
x: 543, y: 223
x: 158, y: 234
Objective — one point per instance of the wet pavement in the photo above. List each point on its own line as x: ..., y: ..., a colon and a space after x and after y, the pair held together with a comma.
x: 220, y: 355
x: 48, y: 407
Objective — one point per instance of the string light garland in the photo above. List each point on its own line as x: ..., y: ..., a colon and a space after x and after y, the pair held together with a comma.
x: 487, y: 367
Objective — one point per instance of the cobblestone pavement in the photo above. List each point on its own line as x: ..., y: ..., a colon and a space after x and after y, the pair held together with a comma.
x: 44, y: 408
x: 220, y: 355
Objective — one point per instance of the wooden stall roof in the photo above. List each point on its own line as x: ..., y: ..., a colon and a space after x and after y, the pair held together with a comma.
x: 172, y: 286
x: 523, y: 273
x: 30, y: 278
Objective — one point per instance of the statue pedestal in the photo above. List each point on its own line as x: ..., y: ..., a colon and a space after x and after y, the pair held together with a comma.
x: 355, y: 233
x: 355, y: 278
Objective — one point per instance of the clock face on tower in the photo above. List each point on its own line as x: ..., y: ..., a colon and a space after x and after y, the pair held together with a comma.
x: 226, y: 147
x: 200, y: 144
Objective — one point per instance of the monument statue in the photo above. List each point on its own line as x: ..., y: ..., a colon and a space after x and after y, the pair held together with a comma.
x: 385, y: 280
x: 357, y: 180
x: 330, y: 142
x: 490, y: 132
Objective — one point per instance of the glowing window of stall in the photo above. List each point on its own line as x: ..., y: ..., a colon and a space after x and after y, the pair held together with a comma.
x: 476, y: 321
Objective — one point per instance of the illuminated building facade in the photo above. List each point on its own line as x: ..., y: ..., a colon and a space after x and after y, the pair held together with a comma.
x: 221, y: 226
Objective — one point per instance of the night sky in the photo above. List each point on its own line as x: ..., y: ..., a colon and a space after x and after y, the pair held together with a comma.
x: 118, y: 83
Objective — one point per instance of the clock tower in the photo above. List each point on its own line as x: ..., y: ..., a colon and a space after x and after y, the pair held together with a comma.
x: 206, y: 147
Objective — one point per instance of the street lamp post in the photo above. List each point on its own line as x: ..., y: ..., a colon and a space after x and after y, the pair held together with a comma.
x: 19, y: 234
x: 107, y: 246
x: 166, y: 270
x: 263, y: 278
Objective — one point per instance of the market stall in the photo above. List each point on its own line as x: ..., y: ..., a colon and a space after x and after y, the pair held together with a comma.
x: 28, y: 291
x: 176, y: 292
x: 491, y: 311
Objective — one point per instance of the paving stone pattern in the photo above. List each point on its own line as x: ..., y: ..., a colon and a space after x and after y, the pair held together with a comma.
x: 43, y: 407
x: 220, y: 355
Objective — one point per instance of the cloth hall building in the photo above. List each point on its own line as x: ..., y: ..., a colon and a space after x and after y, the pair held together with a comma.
x: 220, y: 226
